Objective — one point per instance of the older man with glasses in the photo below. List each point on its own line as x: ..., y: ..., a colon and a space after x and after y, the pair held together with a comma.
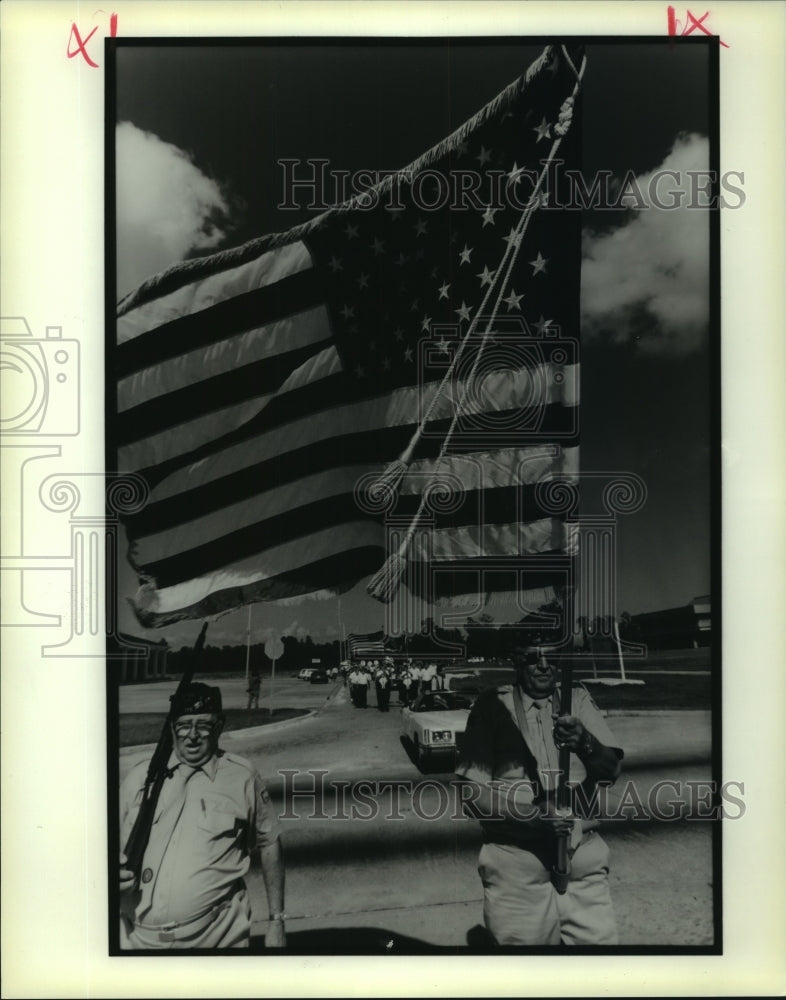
x: 510, y: 762
x: 212, y: 814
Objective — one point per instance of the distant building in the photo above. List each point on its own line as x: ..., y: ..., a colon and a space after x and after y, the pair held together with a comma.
x: 674, y: 628
x: 138, y: 660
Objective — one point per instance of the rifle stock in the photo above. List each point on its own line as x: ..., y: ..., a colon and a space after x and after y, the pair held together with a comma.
x: 137, y: 842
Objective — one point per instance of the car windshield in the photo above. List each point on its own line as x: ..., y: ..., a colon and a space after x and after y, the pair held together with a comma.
x: 436, y: 701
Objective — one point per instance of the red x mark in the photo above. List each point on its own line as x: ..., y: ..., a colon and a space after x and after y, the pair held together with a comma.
x: 81, y: 45
x: 693, y: 24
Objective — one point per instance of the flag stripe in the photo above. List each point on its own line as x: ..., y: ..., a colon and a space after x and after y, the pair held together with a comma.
x: 308, y: 554
x: 268, y: 512
x: 245, y: 382
x: 197, y: 495
x: 490, y: 507
x: 202, y: 363
x: 287, y: 297
x: 525, y: 601
x: 504, y: 393
x: 214, y: 287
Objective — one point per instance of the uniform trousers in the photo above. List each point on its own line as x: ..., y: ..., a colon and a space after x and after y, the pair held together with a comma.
x: 522, y: 907
x: 230, y: 927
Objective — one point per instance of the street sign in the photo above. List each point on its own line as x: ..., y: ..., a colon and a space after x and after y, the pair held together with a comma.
x: 274, y: 648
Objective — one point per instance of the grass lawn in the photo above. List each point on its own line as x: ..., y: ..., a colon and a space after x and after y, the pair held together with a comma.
x: 145, y: 727
x: 658, y: 691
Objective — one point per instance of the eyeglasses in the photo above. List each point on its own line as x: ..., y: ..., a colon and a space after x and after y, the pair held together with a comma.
x: 202, y: 728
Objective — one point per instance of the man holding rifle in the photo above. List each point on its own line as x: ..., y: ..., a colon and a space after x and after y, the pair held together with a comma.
x: 544, y: 868
x: 212, y: 811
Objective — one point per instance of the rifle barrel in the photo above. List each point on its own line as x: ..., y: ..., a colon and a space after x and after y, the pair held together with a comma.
x: 138, y: 839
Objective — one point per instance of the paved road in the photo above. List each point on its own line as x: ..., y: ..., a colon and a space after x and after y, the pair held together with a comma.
x: 391, y: 864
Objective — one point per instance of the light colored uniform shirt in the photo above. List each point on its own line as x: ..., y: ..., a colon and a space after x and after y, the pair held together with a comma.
x: 207, y: 823
x: 492, y: 747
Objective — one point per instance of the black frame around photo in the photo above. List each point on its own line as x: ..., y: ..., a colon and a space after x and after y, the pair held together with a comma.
x: 654, y: 404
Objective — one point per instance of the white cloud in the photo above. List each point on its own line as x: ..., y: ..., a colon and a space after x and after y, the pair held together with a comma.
x: 649, y: 279
x: 295, y: 629
x: 166, y: 206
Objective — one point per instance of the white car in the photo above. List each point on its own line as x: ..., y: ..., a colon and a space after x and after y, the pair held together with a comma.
x: 305, y: 673
x: 434, y: 724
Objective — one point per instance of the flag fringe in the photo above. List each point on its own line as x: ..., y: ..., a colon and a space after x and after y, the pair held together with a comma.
x: 385, y: 583
x: 200, y: 267
x: 388, y: 482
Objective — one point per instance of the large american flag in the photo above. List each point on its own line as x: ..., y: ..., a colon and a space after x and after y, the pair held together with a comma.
x: 260, y: 390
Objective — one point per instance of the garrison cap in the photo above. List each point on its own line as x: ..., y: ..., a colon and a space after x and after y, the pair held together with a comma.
x: 196, y: 699
x: 522, y: 645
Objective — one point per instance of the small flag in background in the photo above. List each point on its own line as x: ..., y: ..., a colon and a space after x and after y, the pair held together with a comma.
x: 369, y: 645
x: 435, y: 318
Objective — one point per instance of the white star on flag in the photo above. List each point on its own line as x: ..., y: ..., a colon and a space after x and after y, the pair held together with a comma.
x: 539, y: 264
x: 378, y: 246
x: 463, y: 311
x: 484, y: 156
x: 465, y: 253
x: 420, y: 228
x: 348, y: 312
x: 539, y: 200
x: 350, y: 231
x: 541, y: 324
x: 443, y: 290
x: 488, y: 216
x: 335, y: 264
x: 514, y: 175
x: 363, y: 281
x: 513, y: 300
x: 425, y: 323
x: 486, y: 277
x: 543, y: 130
x: 512, y: 237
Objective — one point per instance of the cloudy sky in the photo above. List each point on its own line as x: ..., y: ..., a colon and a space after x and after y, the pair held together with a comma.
x: 199, y: 136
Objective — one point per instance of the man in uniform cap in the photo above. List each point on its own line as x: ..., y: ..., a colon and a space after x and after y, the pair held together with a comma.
x: 212, y: 814
x: 513, y: 737
x: 382, y: 686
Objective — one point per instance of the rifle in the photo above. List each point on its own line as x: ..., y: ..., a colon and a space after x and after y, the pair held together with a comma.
x: 560, y: 872
x: 136, y: 845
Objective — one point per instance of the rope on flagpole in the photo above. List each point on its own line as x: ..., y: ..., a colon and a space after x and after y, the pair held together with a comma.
x: 384, y: 584
x: 391, y: 477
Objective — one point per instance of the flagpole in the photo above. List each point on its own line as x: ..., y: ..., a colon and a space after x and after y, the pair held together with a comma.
x: 341, y: 640
x: 248, y: 647
x: 616, y: 629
